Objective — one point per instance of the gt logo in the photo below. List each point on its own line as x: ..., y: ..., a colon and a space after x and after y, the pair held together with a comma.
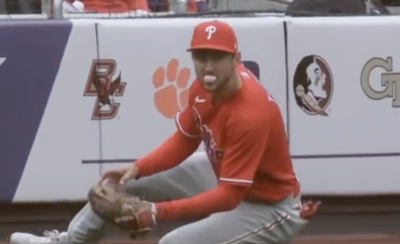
x: 101, y: 84
x: 389, y: 80
x: 210, y: 31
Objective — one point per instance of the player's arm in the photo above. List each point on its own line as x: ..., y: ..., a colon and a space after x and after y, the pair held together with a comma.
x: 177, y: 147
x: 248, y: 139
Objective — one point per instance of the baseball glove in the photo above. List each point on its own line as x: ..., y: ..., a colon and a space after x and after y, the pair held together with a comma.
x: 127, y: 212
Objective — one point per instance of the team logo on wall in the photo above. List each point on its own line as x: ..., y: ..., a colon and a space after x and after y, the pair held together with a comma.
x: 313, y: 85
x: 104, y: 84
x: 388, y: 84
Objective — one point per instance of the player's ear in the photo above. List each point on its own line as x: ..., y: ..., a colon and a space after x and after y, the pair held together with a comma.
x: 237, y: 57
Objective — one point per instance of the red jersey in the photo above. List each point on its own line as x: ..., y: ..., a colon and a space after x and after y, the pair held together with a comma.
x: 244, y: 138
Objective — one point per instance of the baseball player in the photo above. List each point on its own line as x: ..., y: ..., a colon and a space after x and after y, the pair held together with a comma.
x: 242, y: 188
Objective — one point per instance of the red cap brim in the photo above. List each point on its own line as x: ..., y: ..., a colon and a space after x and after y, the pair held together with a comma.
x: 212, y: 47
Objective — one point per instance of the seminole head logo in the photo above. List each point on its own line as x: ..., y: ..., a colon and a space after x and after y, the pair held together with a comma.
x: 313, y: 85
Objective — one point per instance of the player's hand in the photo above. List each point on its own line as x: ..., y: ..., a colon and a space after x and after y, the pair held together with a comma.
x: 308, y: 209
x: 120, y: 176
x: 127, y: 212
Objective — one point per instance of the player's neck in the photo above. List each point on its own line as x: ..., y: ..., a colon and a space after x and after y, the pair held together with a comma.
x: 227, y: 91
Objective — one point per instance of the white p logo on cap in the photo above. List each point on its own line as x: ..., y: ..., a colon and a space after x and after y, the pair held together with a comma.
x: 210, y: 31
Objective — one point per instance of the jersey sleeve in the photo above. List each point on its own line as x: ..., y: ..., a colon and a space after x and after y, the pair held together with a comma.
x: 247, y: 142
x: 187, y: 120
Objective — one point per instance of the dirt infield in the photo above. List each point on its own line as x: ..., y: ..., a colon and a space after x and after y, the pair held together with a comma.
x: 320, y: 239
x: 313, y: 239
x: 348, y: 239
x: 372, y: 220
x: 323, y: 239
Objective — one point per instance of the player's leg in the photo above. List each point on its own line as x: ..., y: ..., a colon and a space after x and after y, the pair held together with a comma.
x: 189, y: 178
x: 192, y: 176
x: 249, y: 223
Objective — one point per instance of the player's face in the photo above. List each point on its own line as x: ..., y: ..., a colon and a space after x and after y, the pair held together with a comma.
x: 214, y: 68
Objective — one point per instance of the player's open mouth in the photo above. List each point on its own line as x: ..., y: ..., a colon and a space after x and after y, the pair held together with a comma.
x: 210, y: 78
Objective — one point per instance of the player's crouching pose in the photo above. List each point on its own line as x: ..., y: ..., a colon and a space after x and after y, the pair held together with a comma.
x: 243, y: 188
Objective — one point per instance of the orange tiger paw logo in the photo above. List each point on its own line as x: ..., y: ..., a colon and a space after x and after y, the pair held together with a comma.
x: 171, y: 88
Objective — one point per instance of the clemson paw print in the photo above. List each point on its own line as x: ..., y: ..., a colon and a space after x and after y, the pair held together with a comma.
x: 171, y: 88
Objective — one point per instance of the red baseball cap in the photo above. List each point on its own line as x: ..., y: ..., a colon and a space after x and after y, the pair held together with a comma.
x: 215, y: 35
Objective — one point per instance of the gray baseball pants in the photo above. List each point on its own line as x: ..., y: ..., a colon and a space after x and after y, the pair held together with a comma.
x: 249, y: 223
